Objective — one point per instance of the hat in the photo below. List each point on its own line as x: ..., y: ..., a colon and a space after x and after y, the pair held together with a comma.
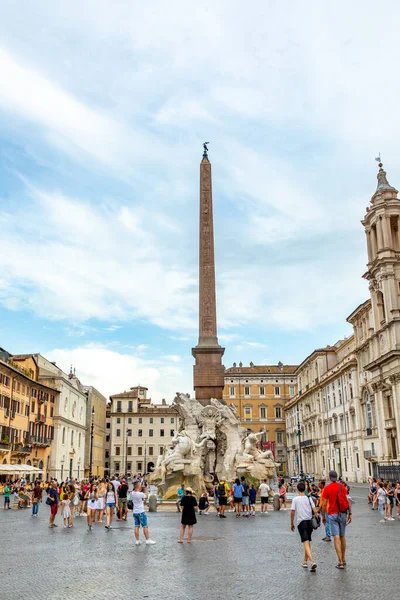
x: 124, y: 481
x: 332, y: 475
x: 189, y: 489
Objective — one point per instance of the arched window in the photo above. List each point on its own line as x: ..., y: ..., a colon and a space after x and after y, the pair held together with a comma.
x: 63, y: 435
x: 368, y: 411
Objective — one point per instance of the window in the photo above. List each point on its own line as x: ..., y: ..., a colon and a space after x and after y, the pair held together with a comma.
x: 129, y: 466
x: 118, y: 420
x: 172, y: 420
x: 107, y: 454
x: 108, y: 425
x: 151, y: 450
x: 161, y: 450
x: 161, y: 432
x: 130, y: 406
x: 141, y: 392
x: 358, y: 460
x: 232, y: 391
x: 129, y: 420
x: 129, y: 432
x: 107, y: 438
x: 72, y: 437
x: 151, y: 419
x: 140, y: 451
x: 263, y: 412
x: 368, y: 411
x: 279, y: 437
x: 278, y: 412
x: 162, y: 419
x: 33, y: 407
x: 140, y: 420
x: 116, y: 467
x: 117, y: 450
x: 129, y: 450
x: 79, y: 440
x: 51, y: 411
x: 247, y: 390
x: 63, y: 435
x: 119, y: 406
x: 172, y: 432
x: 291, y: 390
x: 262, y: 391
x: 247, y: 413
x: 140, y: 432
x: 277, y: 390
x: 150, y: 433
x: 139, y: 466
x: 118, y: 432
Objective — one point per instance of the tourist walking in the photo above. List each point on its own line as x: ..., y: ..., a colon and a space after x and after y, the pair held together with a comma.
x: 101, y: 501
x: 92, y: 504
x: 335, y: 503
x: 181, y: 493
x: 111, y: 504
x: 302, y: 509
x: 237, y: 496
x: 188, y: 504
x: 36, y: 498
x: 263, y: 492
x: 53, y: 500
x: 282, y: 494
x: 381, y: 501
x: 6, y: 494
x: 325, y: 518
x: 123, y: 500
x: 139, y: 516
x: 223, y: 491
x: 252, y: 500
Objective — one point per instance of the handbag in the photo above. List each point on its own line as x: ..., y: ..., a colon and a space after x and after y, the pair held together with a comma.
x: 315, y: 520
x: 48, y: 501
x: 130, y: 505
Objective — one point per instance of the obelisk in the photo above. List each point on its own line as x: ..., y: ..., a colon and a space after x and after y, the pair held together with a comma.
x: 208, y: 369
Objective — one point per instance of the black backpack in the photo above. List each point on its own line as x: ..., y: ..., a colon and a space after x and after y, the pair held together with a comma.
x: 221, y: 489
x: 245, y: 487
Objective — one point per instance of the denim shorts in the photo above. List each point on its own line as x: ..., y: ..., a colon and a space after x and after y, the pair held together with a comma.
x: 245, y: 500
x: 338, y: 524
x: 140, y: 519
x: 110, y: 504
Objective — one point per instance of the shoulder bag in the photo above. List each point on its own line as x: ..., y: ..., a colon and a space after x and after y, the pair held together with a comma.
x: 315, y: 520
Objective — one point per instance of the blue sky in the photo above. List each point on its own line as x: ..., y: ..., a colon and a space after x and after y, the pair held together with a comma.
x: 103, y: 110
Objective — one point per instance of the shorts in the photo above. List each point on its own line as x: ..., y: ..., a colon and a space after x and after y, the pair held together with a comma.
x: 216, y: 501
x: 237, y: 500
x: 245, y: 500
x: 305, y: 530
x: 282, y: 497
x: 123, y: 502
x: 7, y: 500
x: 110, y: 504
x: 338, y: 524
x: 140, y: 519
x: 54, y: 508
x: 264, y: 499
x: 223, y: 500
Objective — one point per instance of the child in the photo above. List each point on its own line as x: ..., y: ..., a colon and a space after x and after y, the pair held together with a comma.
x: 66, y: 510
x: 282, y: 495
x: 203, y: 504
x: 188, y: 504
x: 252, y: 500
x: 139, y: 516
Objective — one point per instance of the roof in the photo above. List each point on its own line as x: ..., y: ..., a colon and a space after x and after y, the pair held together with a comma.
x: 130, y: 394
x: 262, y: 369
x: 360, y: 308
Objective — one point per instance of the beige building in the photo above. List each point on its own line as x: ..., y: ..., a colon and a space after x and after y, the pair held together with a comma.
x: 96, y: 407
x: 259, y: 394
x: 138, y: 430
x: 348, y: 400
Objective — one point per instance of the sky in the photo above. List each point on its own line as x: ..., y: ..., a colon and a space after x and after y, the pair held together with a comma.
x: 103, y: 111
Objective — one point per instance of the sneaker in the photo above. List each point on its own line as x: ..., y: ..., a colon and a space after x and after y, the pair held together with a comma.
x: 382, y: 521
x: 54, y: 525
x: 138, y: 542
x: 106, y: 526
x: 150, y: 542
x: 65, y: 526
x: 390, y: 519
x: 89, y: 527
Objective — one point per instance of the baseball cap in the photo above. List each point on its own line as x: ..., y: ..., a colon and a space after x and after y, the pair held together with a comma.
x: 333, y: 475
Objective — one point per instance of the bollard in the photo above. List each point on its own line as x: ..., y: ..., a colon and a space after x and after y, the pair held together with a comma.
x: 152, y: 503
x: 277, y: 504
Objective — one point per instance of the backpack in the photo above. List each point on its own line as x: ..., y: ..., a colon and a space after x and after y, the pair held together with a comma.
x: 245, y: 487
x: 341, y: 500
x: 221, y: 489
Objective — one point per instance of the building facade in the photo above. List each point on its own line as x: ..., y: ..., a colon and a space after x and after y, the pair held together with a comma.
x: 95, y: 444
x: 67, y: 456
x: 346, y: 414
x: 27, y: 409
x: 139, y: 430
x: 259, y: 394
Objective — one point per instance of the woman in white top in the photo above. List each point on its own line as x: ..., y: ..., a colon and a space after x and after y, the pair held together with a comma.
x: 92, y: 500
x: 111, y: 503
x: 381, y: 496
x: 303, y: 508
x: 101, y: 504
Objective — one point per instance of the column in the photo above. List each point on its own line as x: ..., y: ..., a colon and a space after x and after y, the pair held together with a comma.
x: 387, y: 238
x: 379, y: 233
x: 369, y: 247
x: 374, y: 248
x: 394, y: 379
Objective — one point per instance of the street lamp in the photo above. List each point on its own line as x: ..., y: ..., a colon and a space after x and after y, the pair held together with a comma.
x: 91, y: 444
x: 299, y: 434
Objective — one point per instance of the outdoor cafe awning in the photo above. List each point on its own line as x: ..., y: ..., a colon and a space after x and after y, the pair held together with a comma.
x: 19, y: 469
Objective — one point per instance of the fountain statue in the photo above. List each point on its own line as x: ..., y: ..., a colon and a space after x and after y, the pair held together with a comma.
x: 210, y: 444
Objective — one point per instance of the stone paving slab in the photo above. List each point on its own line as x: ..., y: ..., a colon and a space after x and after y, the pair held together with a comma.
x: 242, y: 558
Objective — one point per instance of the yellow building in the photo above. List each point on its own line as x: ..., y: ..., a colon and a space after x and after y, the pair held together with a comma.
x: 26, y: 414
x: 259, y: 394
x: 95, y: 414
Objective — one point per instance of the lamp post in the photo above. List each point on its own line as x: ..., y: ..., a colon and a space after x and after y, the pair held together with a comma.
x: 91, y: 445
x: 299, y: 434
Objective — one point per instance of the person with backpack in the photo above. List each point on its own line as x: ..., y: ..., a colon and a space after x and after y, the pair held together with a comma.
x: 245, y: 497
x: 303, y: 509
x: 334, y: 502
x: 223, y: 492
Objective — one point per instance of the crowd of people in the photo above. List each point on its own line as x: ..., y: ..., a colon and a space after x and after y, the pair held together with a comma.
x: 383, y: 496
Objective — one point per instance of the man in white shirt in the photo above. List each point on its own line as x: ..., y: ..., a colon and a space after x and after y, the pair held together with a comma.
x: 303, y: 508
x: 263, y: 492
x: 115, y: 483
x: 139, y: 516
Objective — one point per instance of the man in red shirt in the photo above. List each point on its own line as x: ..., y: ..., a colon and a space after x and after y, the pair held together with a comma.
x: 334, y: 502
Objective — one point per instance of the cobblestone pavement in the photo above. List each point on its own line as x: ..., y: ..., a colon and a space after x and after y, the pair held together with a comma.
x: 256, y: 558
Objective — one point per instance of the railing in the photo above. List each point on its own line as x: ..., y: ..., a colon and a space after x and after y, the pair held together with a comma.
x: 371, y: 431
x: 305, y: 443
x: 390, y: 423
x: 390, y: 472
x: 4, y: 445
x: 37, y: 439
x: 22, y: 449
x: 40, y: 418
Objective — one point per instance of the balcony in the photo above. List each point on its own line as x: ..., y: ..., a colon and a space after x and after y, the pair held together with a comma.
x: 4, y: 446
x: 20, y: 450
x: 40, y: 418
x: 371, y: 431
x: 390, y: 424
x: 37, y: 440
x: 334, y: 437
x: 306, y: 443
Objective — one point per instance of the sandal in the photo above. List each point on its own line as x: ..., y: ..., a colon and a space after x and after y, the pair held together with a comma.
x: 339, y: 566
x: 305, y: 566
x: 313, y: 567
